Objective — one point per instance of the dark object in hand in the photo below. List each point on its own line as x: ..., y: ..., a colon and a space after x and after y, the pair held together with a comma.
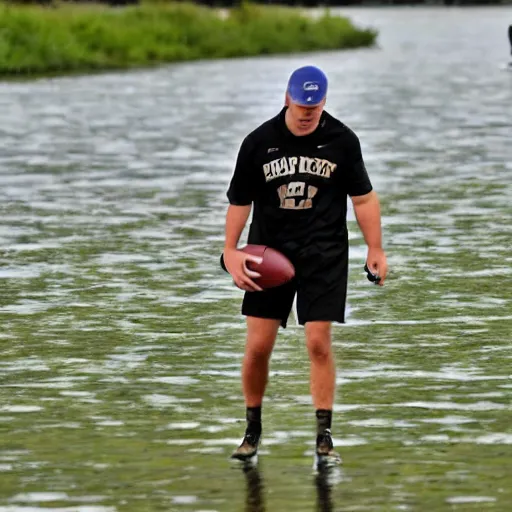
x: 374, y: 278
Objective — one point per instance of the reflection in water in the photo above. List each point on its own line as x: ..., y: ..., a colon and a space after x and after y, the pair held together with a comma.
x: 255, y: 501
x: 325, y: 479
x: 119, y: 329
x: 323, y: 484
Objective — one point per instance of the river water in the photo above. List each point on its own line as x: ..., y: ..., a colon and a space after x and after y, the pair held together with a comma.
x: 121, y: 338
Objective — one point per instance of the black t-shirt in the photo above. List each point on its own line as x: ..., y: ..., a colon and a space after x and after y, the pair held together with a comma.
x: 299, y: 185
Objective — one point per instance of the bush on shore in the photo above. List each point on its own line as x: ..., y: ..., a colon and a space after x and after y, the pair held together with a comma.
x: 82, y: 38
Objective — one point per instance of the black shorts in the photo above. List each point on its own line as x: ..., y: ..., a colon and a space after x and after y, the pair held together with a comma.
x: 321, y: 288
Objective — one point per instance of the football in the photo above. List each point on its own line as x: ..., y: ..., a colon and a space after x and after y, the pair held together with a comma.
x: 275, y: 269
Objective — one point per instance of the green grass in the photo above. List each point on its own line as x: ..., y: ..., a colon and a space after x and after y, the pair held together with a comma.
x: 72, y: 39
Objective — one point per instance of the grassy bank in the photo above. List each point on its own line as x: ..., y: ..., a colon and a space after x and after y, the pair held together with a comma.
x: 67, y: 39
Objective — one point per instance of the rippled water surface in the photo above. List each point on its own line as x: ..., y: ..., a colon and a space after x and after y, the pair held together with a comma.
x: 121, y: 342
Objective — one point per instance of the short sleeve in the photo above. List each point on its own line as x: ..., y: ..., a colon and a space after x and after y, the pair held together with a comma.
x: 358, y: 181
x: 242, y: 188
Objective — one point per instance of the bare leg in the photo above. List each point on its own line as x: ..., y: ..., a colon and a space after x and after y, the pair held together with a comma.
x: 261, y: 336
x: 323, y: 385
x: 323, y: 370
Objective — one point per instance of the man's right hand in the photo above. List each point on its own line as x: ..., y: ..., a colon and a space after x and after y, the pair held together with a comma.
x: 236, y: 264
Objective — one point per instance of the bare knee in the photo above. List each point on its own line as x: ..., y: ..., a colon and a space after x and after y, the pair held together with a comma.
x: 318, y: 342
x: 319, y: 349
x: 258, y: 350
x: 261, y: 335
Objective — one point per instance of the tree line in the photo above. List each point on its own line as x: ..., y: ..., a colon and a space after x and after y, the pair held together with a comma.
x: 291, y: 3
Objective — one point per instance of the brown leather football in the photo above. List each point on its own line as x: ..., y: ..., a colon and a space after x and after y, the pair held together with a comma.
x: 275, y: 269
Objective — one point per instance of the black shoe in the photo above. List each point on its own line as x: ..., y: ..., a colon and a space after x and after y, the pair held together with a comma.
x: 249, y: 447
x: 324, y: 453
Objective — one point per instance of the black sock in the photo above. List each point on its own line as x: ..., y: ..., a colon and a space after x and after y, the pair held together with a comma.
x: 323, y: 420
x: 253, y: 415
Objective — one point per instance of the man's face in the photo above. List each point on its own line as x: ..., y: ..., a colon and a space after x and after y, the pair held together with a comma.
x: 303, y: 120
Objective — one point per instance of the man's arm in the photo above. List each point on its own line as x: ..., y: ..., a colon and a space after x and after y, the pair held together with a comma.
x: 236, y: 219
x: 235, y: 260
x: 241, y: 194
x: 367, y: 211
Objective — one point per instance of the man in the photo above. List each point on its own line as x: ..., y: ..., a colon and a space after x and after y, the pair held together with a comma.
x: 297, y: 169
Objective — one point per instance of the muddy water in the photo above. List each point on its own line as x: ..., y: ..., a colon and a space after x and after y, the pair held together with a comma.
x: 121, y: 341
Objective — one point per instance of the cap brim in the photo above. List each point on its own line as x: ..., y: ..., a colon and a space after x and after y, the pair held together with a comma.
x: 301, y: 103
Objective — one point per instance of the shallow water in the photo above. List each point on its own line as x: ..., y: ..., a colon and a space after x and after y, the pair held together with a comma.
x: 121, y: 342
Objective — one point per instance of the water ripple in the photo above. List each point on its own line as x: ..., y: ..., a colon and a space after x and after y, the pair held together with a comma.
x: 121, y: 338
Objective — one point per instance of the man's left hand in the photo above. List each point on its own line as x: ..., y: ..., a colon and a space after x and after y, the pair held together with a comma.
x: 377, y: 263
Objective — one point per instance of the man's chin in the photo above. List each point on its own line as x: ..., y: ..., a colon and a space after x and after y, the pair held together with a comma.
x: 306, y: 129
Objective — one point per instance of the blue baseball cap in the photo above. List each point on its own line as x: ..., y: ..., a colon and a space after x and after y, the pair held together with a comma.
x: 307, y: 86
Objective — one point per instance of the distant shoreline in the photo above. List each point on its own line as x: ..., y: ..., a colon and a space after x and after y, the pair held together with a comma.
x: 81, y: 39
